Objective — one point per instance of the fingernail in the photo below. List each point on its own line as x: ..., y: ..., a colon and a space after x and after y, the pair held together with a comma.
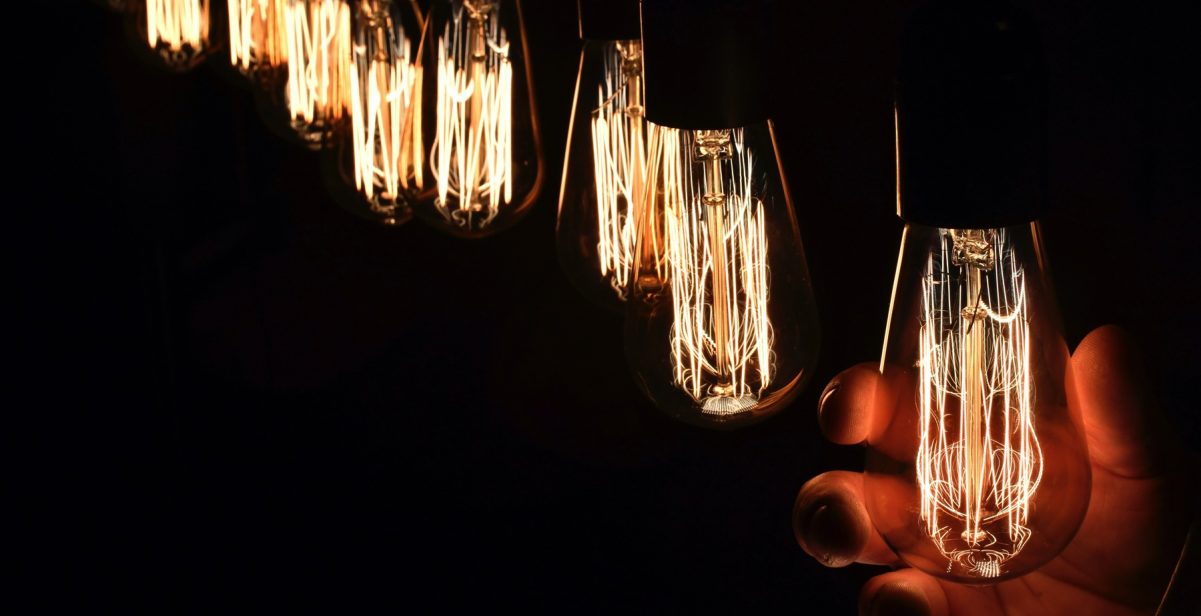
x: 830, y: 390
x: 898, y: 600
x: 831, y: 535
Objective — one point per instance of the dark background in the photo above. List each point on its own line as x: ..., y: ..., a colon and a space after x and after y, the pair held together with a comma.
x: 253, y: 395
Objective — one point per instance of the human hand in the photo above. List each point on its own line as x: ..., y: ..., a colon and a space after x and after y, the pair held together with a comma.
x: 1120, y: 560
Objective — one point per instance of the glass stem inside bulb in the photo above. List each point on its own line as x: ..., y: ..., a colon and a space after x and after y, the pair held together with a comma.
x: 712, y: 148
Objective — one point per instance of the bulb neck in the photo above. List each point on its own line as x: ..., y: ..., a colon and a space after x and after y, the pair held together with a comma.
x: 609, y: 20
x: 704, y: 62
x: 970, y: 116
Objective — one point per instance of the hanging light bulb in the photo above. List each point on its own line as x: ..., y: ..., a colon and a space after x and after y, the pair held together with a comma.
x: 369, y: 173
x: 258, y: 45
x: 176, y: 31
x: 316, y: 92
x: 481, y: 166
x: 721, y: 325
x: 604, y: 169
x: 983, y: 473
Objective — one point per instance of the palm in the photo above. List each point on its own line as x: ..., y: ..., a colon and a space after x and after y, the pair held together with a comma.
x: 1119, y: 561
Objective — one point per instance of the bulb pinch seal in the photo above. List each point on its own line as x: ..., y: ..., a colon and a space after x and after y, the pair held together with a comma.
x: 609, y: 20
x: 970, y: 113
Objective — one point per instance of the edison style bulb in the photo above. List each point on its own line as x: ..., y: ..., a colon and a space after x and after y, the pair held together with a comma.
x: 315, y: 95
x: 373, y: 159
x: 982, y: 473
x: 604, y: 168
x: 481, y: 166
x: 721, y: 325
x: 177, y: 32
x: 258, y: 45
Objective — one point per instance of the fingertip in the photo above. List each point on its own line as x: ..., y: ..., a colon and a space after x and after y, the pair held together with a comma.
x: 902, y: 593
x: 831, y: 524
x: 844, y: 410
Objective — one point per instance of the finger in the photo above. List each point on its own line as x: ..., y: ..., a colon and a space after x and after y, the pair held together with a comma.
x: 831, y: 524
x: 1123, y: 425
x: 846, y: 406
x: 907, y: 592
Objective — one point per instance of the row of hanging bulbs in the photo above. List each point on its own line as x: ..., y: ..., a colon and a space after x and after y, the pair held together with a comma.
x: 674, y: 209
x: 423, y: 113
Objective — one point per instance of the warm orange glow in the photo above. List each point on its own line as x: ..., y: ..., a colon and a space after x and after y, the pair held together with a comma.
x: 257, y: 34
x: 381, y: 95
x: 319, y: 56
x: 716, y: 243
x: 471, y: 158
x: 179, y: 29
x: 979, y: 461
x: 619, y: 160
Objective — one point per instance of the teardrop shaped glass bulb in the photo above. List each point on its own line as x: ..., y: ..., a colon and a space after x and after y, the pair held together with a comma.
x: 369, y: 170
x: 982, y: 473
x: 177, y: 32
x: 721, y: 327
x: 482, y: 163
x: 604, y: 172
x: 258, y: 46
x: 311, y: 104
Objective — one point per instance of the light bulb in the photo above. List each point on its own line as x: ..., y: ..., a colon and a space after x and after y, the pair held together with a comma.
x: 177, y: 32
x: 258, y: 46
x: 604, y: 168
x: 721, y: 325
x: 372, y: 164
x: 482, y: 163
x: 316, y: 93
x: 982, y: 473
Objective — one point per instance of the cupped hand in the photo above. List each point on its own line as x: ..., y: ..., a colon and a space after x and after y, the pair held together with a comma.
x: 1119, y: 562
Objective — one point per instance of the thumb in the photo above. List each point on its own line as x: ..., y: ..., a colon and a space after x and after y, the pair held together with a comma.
x: 1125, y: 430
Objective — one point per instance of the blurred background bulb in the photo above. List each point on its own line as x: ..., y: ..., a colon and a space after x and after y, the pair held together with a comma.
x: 316, y: 91
x: 983, y: 473
x: 481, y: 166
x: 721, y: 325
x: 258, y: 46
x: 373, y: 161
x: 177, y: 32
x: 604, y: 168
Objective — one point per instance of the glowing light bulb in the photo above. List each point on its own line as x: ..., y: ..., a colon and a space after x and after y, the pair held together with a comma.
x: 258, y: 46
x: 318, y: 47
x: 983, y: 473
x: 377, y: 155
x: 176, y: 31
x: 721, y: 325
x: 604, y: 171
x: 481, y: 161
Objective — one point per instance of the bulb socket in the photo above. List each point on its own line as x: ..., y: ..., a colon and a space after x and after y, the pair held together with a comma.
x: 609, y: 20
x: 704, y: 62
x: 970, y: 116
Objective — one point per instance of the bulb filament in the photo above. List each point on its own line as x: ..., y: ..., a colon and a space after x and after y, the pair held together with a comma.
x: 979, y: 461
x: 471, y: 158
x: 619, y: 160
x: 381, y: 94
x: 716, y: 243
x: 318, y: 36
x: 256, y: 34
x: 178, y: 29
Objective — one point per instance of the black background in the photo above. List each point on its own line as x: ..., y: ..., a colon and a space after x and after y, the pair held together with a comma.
x: 253, y: 395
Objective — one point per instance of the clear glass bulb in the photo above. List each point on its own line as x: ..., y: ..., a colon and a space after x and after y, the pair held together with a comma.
x: 258, y: 46
x: 983, y: 473
x: 721, y: 325
x: 312, y: 103
x: 371, y: 167
x: 177, y: 32
x: 604, y: 171
x: 482, y: 157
